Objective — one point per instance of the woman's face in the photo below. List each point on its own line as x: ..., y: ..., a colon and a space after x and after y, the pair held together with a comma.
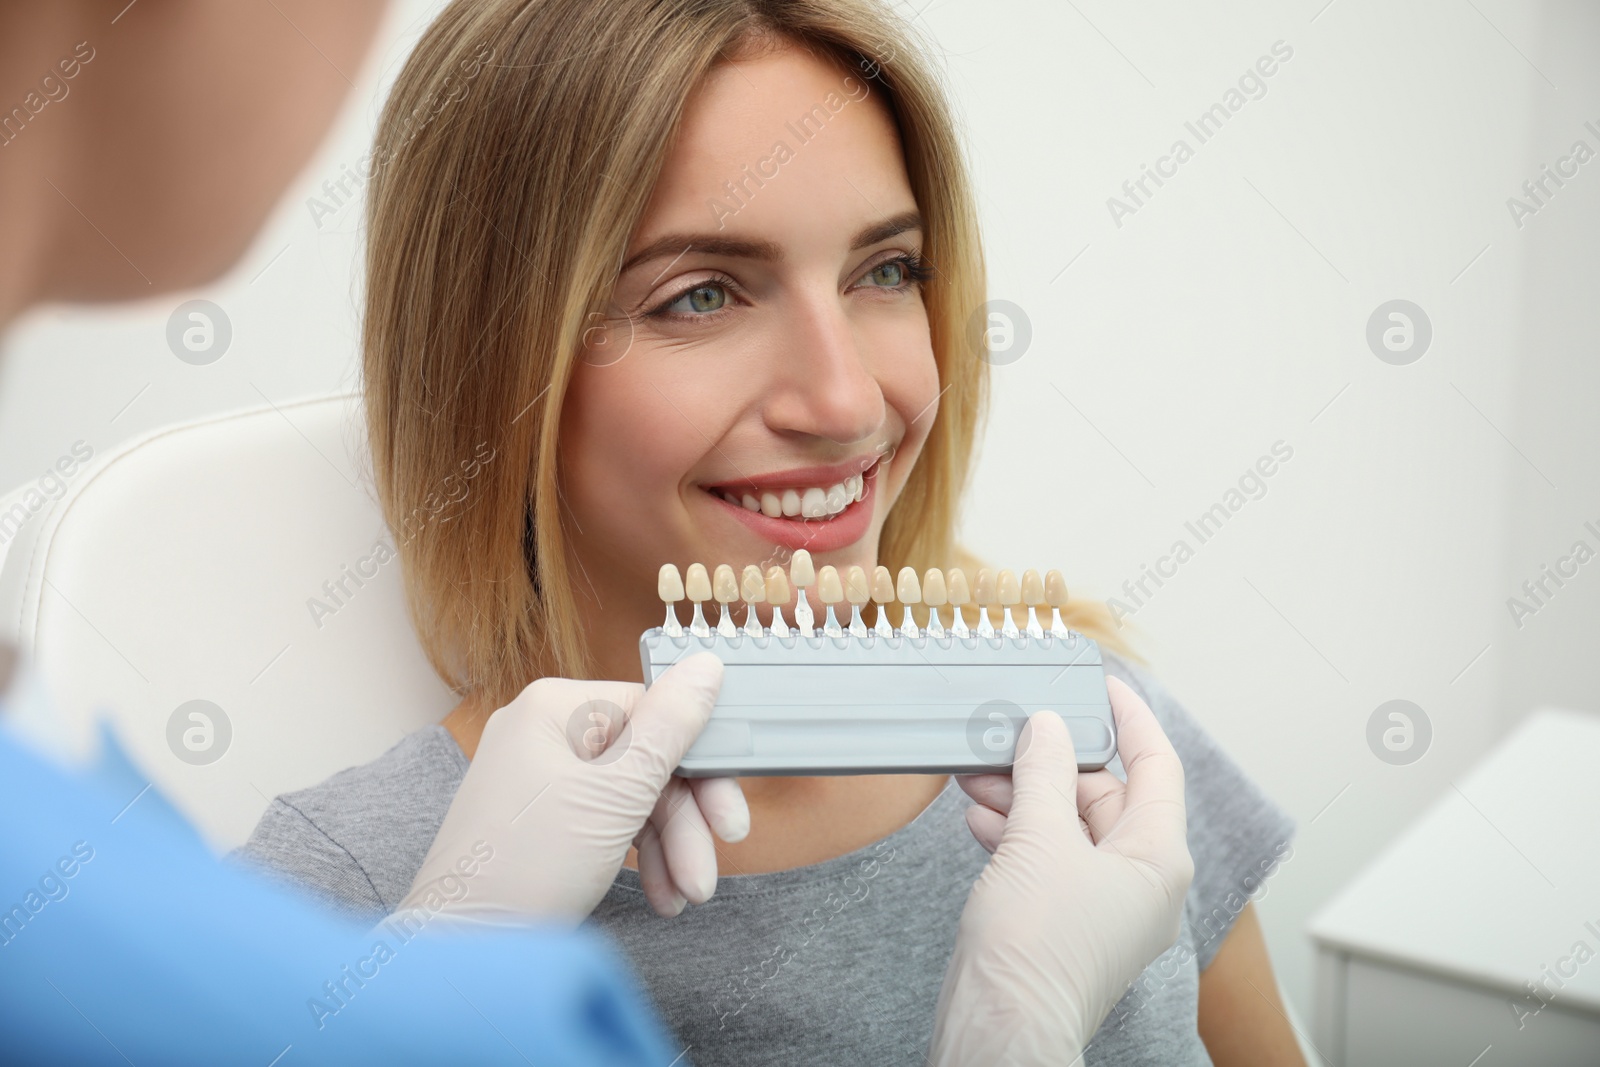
x: 767, y: 361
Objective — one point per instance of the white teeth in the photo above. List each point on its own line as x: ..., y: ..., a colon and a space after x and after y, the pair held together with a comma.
x: 813, y: 502
x: 838, y: 497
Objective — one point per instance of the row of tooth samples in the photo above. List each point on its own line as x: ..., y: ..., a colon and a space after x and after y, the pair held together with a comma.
x: 936, y: 589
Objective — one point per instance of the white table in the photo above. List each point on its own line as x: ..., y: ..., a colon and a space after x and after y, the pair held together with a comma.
x: 1425, y: 957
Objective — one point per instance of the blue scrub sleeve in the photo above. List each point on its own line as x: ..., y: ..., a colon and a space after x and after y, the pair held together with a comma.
x: 122, y: 939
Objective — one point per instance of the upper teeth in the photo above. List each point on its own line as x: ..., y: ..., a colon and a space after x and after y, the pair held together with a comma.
x: 806, y: 503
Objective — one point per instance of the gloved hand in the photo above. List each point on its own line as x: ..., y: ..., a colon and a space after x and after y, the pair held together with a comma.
x: 555, y: 818
x: 1084, y: 889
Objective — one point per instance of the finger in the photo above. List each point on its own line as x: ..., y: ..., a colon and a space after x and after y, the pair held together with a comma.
x: 986, y: 825
x: 591, y: 711
x: 1045, y: 778
x: 723, y: 804
x: 686, y: 842
x: 1153, y: 822
x: 668, y: 717
x: 991, y: 790
x: 1155, y: 774
x: 653, y: 876
x: 1101, y: 797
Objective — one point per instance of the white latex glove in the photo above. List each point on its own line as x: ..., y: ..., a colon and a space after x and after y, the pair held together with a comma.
x: 540, y: 827
x: 1084, y: 889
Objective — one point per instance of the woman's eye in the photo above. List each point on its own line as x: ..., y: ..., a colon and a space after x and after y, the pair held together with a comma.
x: 701, y: 299
x: 890, y: 274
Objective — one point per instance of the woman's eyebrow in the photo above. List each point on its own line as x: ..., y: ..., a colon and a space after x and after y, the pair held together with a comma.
x: 678, y: 244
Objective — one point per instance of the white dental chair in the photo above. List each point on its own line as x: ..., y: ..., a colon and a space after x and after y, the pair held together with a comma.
x: 179, y: 567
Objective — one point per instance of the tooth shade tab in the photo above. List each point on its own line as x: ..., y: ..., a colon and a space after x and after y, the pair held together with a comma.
x: 857, y: 590
x: 698, y: 583
x: 983, y: 596
x: 858, y: 626
x: 933, y: 591
x: 830, y: 590
x: 882, y: 585
x: 907, y: 590
x: 803, y: 616
x: 1010, y: 593
x: 1033, y: 596
x: 725, y: 586
x: 752, y: 589
x: 1055, y: 589
x: 777, y: 586
x: 801, y: 570
x: 669, y: 584
x: 959, y: 593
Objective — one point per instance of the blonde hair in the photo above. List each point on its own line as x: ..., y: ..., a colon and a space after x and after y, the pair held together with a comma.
x: 514, y: 158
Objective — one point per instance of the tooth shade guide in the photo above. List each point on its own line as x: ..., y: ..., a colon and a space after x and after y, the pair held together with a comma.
x: 833, y: 588
x: 809, y: 708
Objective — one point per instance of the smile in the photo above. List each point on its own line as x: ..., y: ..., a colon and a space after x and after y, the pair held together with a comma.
x: 804, y: 502
x: 815, y: 507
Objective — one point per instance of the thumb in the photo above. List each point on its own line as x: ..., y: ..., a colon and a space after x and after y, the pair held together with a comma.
x: 670, y: 715
x: 1044, y: 775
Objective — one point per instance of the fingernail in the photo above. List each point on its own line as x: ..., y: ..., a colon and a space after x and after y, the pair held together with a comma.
x: 734, y: 825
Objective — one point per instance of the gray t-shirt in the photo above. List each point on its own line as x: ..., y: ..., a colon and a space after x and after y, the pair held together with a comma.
x: 838, y: 962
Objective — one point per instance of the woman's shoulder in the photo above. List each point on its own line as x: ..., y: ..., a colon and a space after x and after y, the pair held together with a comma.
x: 1238, y: 835
x: 415, y: 773
x: 358, y: 837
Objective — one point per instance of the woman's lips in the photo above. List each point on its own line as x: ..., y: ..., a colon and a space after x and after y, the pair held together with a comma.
x: 813, y: 535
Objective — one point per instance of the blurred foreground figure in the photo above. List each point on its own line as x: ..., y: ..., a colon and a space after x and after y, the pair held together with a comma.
x: 141, y: 147
x: 122, y: 939
x: 142, y: 144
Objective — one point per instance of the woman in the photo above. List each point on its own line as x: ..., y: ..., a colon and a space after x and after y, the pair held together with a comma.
x: 661, y: 261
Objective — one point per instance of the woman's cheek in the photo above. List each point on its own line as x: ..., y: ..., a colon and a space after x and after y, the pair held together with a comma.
x: 627, y: 445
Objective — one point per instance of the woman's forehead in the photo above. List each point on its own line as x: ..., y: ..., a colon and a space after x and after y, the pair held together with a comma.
x: 785, y: 148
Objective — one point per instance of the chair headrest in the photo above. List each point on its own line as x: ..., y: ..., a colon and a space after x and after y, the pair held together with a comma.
x: 226, y: 593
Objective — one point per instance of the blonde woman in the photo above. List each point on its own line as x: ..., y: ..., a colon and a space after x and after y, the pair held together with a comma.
x: 667, y: 262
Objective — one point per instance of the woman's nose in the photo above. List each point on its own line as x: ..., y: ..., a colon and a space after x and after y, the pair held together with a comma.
x: 825, y: 384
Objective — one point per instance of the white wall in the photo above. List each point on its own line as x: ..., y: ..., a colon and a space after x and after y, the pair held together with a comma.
x: 1227, y: 313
